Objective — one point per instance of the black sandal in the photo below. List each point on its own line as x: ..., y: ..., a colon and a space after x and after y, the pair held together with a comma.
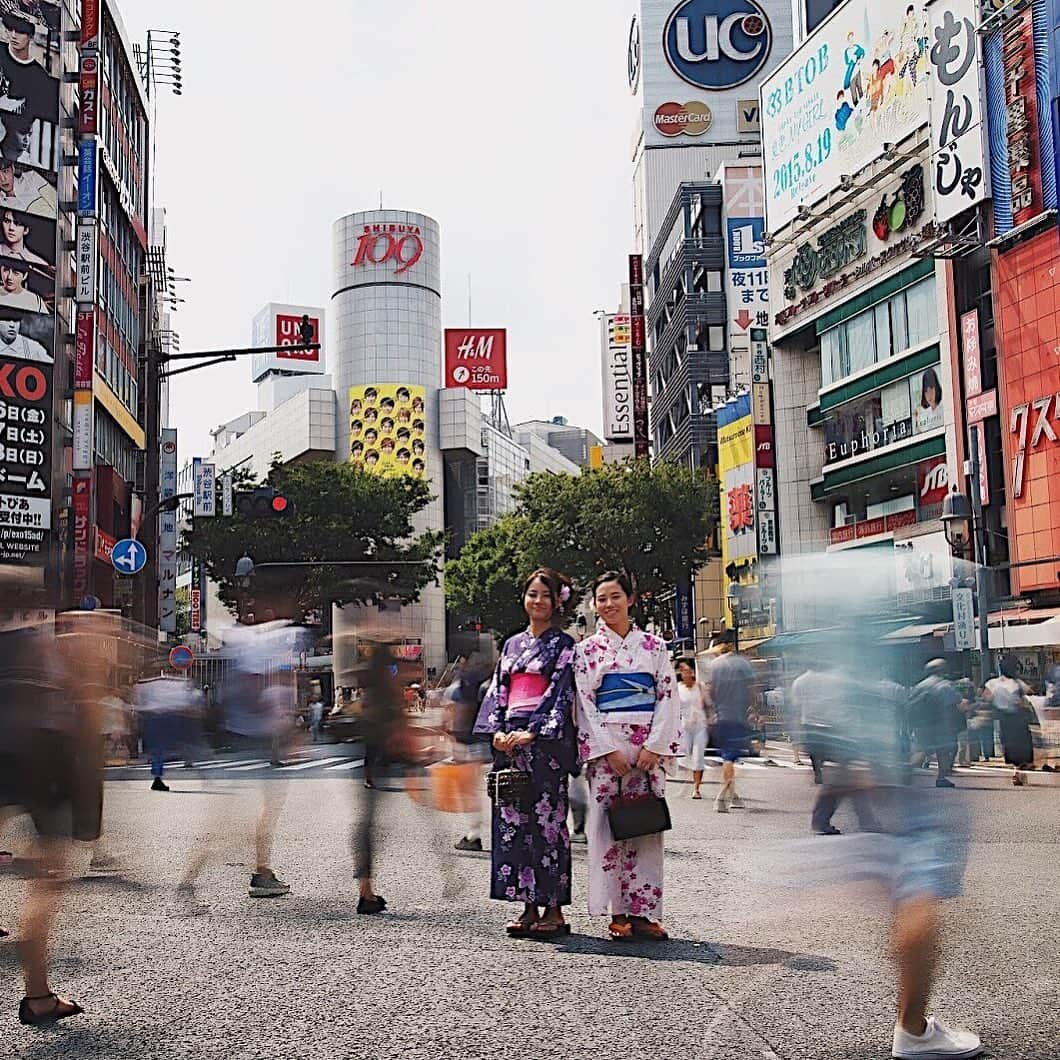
x: 29, y: 1018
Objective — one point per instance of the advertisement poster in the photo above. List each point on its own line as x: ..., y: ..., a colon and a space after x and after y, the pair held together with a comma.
x: 279, y: 324
x: 388, y: 429
x: 167, y: 535
x: 736, y: 456
x: 747, y: 276
x: 476, y: 359
x: 858, y: 83
x: 618, y: 380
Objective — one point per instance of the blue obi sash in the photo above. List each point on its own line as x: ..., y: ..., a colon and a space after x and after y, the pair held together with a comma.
x: 626, y: 693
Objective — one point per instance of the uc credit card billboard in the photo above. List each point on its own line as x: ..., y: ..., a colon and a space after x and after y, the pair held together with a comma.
x: 857, y: 83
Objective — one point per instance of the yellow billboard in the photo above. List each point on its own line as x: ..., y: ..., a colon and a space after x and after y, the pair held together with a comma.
x: 388, y: 429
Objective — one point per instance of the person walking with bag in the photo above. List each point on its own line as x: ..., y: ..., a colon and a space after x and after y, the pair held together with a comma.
x: 528, y: 711
x: 629, y: 733
x: 695, y: 707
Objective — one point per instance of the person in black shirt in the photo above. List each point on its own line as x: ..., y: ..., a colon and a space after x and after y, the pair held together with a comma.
x: 27, y: 88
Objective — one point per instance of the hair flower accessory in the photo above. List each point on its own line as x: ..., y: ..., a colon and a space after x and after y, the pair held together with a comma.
x: 564, y: 594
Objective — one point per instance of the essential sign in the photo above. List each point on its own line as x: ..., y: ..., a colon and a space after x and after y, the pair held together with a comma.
x: 716, y: 45
x: 476, y: 359
x: 618, y: 380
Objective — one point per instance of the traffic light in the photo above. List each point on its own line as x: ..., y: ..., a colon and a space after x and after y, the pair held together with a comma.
x: 305, y: 329
x: 263, y: 503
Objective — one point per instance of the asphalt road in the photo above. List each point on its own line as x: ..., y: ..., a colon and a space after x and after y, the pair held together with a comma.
x: 753, y: 971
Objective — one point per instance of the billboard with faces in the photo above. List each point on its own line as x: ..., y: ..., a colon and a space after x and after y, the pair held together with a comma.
x: 30, y: 68
x: 388, y: 429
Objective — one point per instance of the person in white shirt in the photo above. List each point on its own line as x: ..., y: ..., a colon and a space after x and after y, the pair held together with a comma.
x: 13, y: 233
x: 14, y: 344
x: 14, y: 294
x: 26, y: 190
x: 695, y: 707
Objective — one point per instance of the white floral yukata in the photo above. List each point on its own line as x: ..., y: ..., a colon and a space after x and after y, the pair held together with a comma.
x: 625, y: 702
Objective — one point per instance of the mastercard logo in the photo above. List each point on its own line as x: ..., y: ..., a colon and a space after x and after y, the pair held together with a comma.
x: 687, y: 119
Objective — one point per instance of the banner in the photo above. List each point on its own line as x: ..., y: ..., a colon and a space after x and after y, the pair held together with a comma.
x: 736, y: 458
x: 82, y: 535
x: 747, y: 276
x: 639, y: 357
x: 167, y: 535
x: 618, y: 380
x: 388, y: 428
x: 204, y: 486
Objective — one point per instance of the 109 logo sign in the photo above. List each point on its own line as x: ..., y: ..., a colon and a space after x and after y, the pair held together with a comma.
x: 717, y: 44
x: 401, y: 244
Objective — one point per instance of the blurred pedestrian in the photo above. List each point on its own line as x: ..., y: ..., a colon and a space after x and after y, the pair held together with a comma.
x: 316, y: 716
x: 936, y: 719
x: 1008, y: 695
x: 168, y: 706
x: 529, y: 712
x: 695, y: 710
x: 629, y: 731
x: 729, y: 687
x: 464, y: 699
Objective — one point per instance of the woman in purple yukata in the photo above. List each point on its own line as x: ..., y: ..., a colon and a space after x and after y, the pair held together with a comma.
x: 629, y: 733
x: 529, y: 710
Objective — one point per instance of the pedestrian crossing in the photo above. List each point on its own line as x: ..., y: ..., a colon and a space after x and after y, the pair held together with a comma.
x: 250, y: 768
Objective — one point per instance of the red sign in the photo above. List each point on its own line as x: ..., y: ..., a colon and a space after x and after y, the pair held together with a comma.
x: 84, y: 349
x: 691, y: 119
x: 639, y: 355
x: 379, y: 244
x: 289, y: 333
x: 843, y: 535
x: 1022, y: 106
x: 870, y: 528
x: 741, y: 509
x: 900, y: 519
x: 984, y: 468
x: 89, y: 23
x: 973, y: 365
x: 476, y: 359
x: 932, y: 485
x: 196, y: 610
x: 89, y: 121
x: 82, y: 534
x: 104, y: 545
x: 181, y: 657
x: 764, y: 446
x: 982, y: 406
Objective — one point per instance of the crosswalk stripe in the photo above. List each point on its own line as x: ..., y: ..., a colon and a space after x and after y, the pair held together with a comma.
x: 346, y: 766
x: 310, y: 764
x: 229, y: 765
x: 250, y: 766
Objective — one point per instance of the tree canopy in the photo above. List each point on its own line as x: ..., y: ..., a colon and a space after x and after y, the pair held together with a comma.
x: 652, y: 521
x: 342, y: 515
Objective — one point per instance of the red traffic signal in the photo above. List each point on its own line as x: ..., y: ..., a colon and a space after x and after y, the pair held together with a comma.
x: 263, y: 502
x: 280, y: 504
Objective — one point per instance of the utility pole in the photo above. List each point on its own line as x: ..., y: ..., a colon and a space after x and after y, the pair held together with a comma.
x: 982, y: 574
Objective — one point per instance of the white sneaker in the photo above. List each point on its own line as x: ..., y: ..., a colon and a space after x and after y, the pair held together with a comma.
x: 938, y: 1042
x: 720, y: 805
x: 735, y: 802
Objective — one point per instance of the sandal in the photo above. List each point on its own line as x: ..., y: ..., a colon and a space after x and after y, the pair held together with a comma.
x: 29, y: 1018
x: 648, y: 929
x: 620, y: 930
x: 549, y: 929
x: 520, y: 928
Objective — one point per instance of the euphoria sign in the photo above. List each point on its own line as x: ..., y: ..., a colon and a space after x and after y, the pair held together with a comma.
x: 25, y: 459
x: 717, y: 44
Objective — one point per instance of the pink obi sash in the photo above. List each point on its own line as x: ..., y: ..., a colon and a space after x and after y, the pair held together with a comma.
x: 526, y: 692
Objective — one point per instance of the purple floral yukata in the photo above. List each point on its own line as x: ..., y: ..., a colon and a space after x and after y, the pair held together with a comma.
x: 531, y: 850
x: 625, y: 878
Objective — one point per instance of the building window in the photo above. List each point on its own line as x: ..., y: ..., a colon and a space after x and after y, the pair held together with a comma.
x: 903, y: 322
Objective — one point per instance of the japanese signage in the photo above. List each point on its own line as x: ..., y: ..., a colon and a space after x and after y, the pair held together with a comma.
x: 83, y: 431
x: 89, y: 122
x: 963, y: 619
x: 973, y: 363
x: 87, y: 256
x: 84, y: 349
x: 618, y: 379
x: 639, y: 356
x: 860, y: 82
x: 760, y: 401
x: 747, y: 276
x: 86, y: 178
x: 1033, y: 424
x: 901, y: 410
x: 958, y: 157
x: 476, y: 359
x: 388, y: 429
x: 279, y: 324
x: 759, y: 357
x: 982, y: 406
x: 167, y: 535
x: 710, y: 53
x: 979, y: 433
x: 1022, y: 115
x: 25, y: 458
x: 227, y: 495
x: 204, y: 486
x: 82, y: 505
x: 104, y: 546
x: 884, y: 524
x: 819, y: 273
x: 736, y: 459
x: 89, y: 24
x: 686, y: 627
x: 932, y: 485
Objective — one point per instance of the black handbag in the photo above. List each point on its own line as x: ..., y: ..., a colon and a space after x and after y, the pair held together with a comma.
x: 508, y: 787
x: 632, y: 816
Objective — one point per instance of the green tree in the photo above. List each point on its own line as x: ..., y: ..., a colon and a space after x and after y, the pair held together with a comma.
x: 652, y: 521
x: 341, y: 515
x: 484, y: 580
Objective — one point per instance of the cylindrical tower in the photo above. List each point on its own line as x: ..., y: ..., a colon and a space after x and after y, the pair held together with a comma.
x: 386, y: 358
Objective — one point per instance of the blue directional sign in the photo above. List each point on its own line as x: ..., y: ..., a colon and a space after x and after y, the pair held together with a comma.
x: 128, y: 556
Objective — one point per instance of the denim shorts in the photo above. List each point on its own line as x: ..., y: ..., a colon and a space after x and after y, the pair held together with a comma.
x: 730, y: 738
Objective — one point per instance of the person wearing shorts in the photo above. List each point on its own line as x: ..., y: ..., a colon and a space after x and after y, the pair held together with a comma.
x: 729, y: 686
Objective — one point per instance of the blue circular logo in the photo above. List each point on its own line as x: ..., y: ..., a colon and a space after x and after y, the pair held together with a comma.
x: 717, y: 44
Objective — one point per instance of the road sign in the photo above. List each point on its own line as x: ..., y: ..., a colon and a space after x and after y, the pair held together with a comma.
x: 128, y: 556
x: 963, y: 619
x: 181, y: 657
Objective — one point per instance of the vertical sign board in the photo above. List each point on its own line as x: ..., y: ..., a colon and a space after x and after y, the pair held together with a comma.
x: 973, y: 363
x: 86, y: 178
x: 226, y: 495
x: 196, y: 597
x: 618, y: 380
x: 963, y: 619
x: 87, y: 258
x: 84, y: 358
x: 639, y: 356
x: 88, y: 124
x: 82, y: 535
x: 958, y: 156
x: 167, y: 535
x: 90, y: 25
x: 204, y: 504
x: 747, y: 275
x: 685, y: 620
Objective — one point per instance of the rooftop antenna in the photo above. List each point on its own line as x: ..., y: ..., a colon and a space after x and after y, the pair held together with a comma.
x: 469, y: 299
x: 380, y: 198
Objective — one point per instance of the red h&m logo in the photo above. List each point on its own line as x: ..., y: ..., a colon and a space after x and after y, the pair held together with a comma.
x: 476, y: 359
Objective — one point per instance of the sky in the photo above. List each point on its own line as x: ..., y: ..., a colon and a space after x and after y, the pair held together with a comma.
x: 511, y: 125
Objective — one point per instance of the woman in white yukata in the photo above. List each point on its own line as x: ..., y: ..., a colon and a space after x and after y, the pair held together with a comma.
x: 629, y: 733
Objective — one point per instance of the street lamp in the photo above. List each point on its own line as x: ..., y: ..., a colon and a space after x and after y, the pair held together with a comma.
x: 957, y: 521
x: 734, y: 598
